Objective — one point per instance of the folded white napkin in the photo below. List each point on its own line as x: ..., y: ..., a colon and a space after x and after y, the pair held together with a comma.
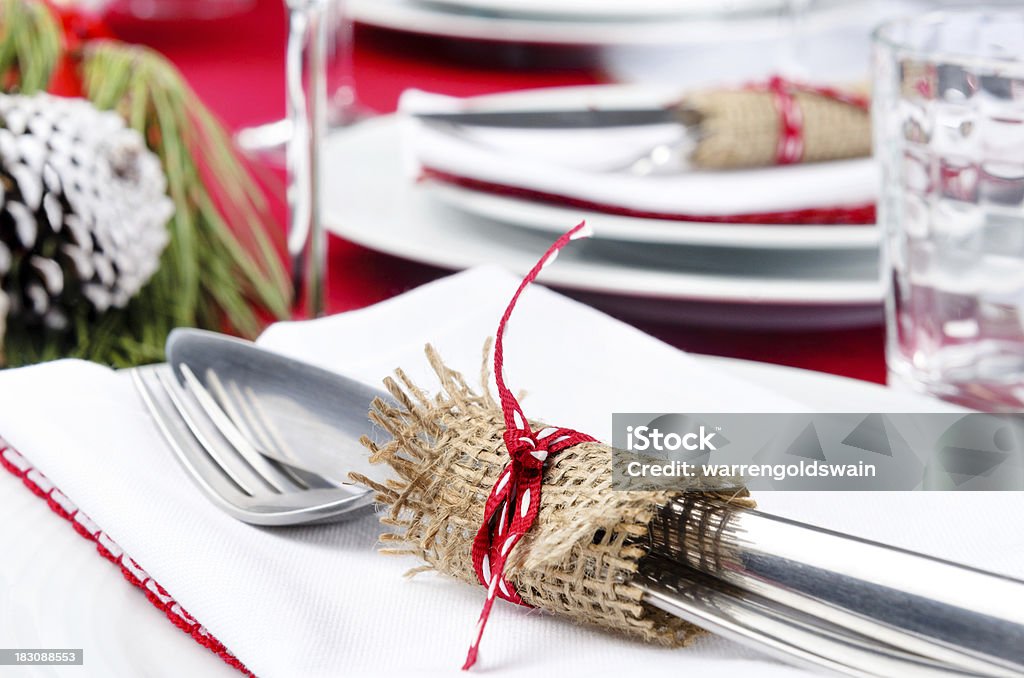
x: 319, y: 601
x: 575, y: 164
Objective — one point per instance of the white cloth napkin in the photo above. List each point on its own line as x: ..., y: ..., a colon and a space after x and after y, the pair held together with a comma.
x: 575, y: 164
x: 319, y: 601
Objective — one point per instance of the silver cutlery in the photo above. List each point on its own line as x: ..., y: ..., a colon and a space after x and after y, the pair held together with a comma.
x: 961, y: 616
x: 271, y: 440
x: 313, y: 418
x: 776, y: 630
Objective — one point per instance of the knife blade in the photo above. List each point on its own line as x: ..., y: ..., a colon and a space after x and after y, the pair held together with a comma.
x: 584, y: 118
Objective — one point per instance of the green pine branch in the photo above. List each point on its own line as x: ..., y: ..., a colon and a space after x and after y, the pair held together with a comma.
x: 221, y: 270
x: 30, y: 45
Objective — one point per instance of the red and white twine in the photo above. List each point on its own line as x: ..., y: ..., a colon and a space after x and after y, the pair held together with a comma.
x: 791, y: 145
x: 59, y: 503
x: 512, y: 505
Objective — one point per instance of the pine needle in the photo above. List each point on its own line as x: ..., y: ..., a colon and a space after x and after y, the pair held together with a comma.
x: 30, y: 45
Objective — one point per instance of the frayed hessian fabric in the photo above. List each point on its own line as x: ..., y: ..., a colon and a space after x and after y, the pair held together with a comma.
x: 577, y: 561
x: 779, y: 122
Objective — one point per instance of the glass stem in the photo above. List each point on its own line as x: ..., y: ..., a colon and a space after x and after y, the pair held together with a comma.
x: 306, y: 101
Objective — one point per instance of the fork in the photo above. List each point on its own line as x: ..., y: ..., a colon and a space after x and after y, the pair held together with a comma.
x: 229, y: 465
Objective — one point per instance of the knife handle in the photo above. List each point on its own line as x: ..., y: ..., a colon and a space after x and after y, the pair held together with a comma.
x: 743, y: 128
x: 775, y: 629
x: 955, y: 614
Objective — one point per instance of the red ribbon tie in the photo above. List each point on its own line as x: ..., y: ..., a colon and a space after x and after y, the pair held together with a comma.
x: 513, y: 504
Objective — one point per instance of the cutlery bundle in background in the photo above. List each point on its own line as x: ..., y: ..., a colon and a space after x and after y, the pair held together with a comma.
x: 778, y: 122
x: 743, y: 128
x: 626, y: 150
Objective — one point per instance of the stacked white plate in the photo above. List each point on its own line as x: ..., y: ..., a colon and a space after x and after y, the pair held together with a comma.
x: 727, y: 274
x: 599, y: 22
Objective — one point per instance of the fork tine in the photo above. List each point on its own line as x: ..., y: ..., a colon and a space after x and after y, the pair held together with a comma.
x: 217, y: 391
x: 227, y: 480
x: 268, y: 472
x: 251, y: 408
x: 211, y: 476
x: 207, y: 436
x: 251, y: 411
x: 236, y: 409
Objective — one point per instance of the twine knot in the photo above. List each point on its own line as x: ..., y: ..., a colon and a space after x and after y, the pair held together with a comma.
x: 525, y: 448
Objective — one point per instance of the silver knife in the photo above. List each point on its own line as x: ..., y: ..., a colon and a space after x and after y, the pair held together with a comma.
x: 963, y: 617
x: 568, y: 118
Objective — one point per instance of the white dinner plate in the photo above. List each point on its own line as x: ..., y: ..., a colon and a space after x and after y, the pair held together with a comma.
x: 434, y: 19
x: 370, y: 200
x: 549, y: 217
x: 57, y: 591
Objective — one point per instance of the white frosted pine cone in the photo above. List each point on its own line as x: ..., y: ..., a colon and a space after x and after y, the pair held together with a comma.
x: 83, y: 209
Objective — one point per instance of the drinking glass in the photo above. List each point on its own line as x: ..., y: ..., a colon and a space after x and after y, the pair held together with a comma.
x: 267, y: 141
x: 948, y: 119
x: 306, y: 105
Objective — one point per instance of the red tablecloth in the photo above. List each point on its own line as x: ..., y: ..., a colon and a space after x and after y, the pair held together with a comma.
x: 236, y: 66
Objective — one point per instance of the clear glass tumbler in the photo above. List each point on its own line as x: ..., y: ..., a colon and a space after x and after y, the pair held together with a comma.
x: 949, y: 136
x: 306, y: 104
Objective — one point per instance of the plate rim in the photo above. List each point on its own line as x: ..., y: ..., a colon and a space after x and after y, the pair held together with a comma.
x: 403, y: 15
x: 538, y: 216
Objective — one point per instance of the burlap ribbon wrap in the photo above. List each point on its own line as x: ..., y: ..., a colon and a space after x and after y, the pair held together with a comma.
x: 578, y: 559
x: 742, y: 128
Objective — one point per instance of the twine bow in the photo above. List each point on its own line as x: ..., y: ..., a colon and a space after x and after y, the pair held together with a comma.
x: 513, y: 504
